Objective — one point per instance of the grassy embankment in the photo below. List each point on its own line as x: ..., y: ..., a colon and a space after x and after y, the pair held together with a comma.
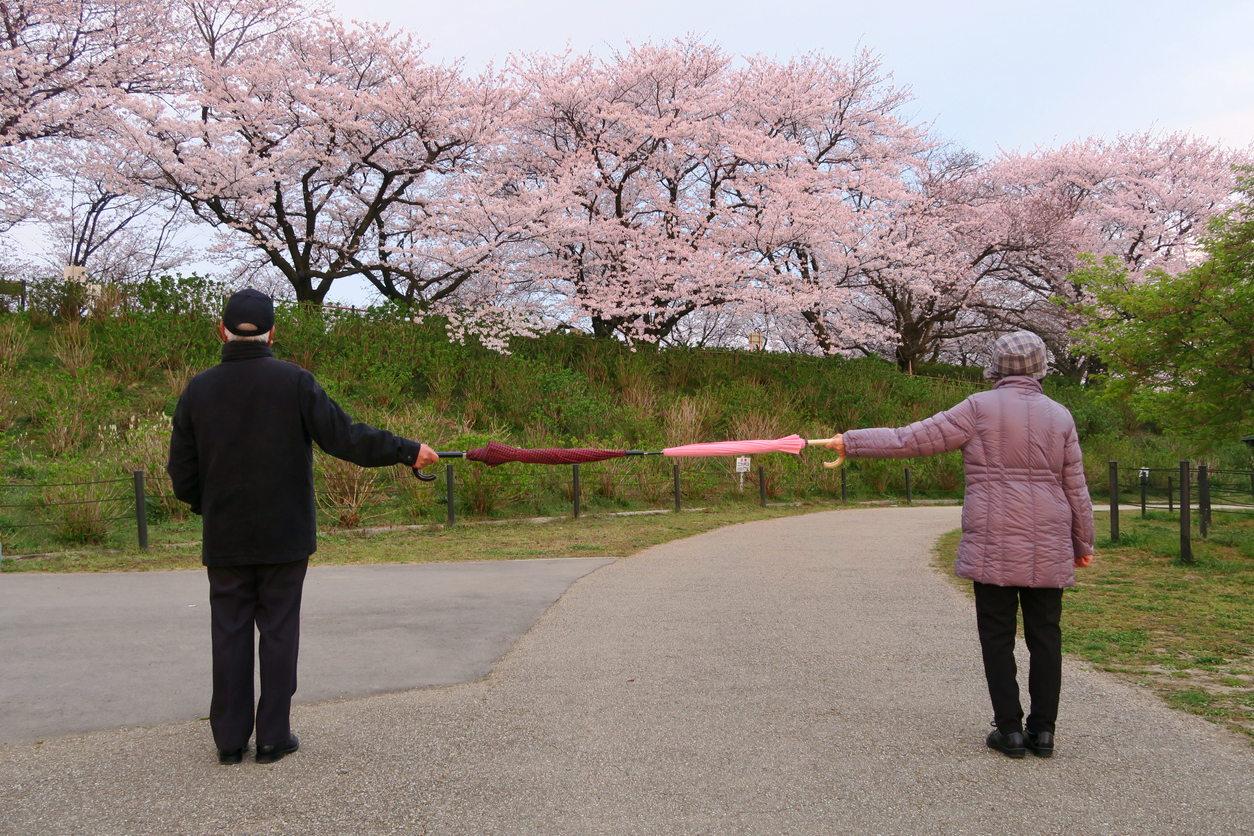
x: 1185, y: 631
x: 91, y: 401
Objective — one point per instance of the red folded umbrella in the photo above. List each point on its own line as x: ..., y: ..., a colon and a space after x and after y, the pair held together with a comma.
x: 496, y: 453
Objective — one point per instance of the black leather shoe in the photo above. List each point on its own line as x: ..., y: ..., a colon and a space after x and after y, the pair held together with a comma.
x: 270, y: 754
x: 1041, y: 745
x: 230, y: 755
x: 1010, y: 744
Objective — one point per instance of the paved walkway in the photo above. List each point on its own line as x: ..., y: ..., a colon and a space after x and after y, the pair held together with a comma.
x: 809, y: 675
x: 91, y: 652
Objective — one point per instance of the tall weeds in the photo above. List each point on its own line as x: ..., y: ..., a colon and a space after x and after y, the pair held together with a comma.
x: 83, y: 512
x: 348, y: 491
x: 14, y: 343
x: 71, y: 344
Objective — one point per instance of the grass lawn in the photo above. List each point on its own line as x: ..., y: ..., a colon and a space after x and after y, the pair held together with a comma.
x: 588, y: 536
x: 1186, y: 631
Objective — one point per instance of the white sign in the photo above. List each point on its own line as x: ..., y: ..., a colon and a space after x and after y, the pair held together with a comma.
x: 742, y: 464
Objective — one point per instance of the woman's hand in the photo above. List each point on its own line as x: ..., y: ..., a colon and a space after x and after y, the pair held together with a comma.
x: 837, y: 443
x: 1083, y: 561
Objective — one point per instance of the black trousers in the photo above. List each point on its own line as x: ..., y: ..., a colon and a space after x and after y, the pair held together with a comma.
x: 265, y: 597
x: 996, y: 611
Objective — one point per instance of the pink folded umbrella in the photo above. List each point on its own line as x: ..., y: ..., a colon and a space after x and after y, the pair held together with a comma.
x: 788, y: 444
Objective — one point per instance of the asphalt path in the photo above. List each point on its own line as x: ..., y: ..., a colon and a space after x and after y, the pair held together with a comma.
x: 809, y: 675
x: 87, y: 652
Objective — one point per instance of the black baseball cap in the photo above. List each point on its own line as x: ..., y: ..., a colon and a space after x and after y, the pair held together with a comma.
x: 248, y: 307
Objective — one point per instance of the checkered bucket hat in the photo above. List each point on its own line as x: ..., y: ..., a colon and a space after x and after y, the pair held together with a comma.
x: 1020, y: 353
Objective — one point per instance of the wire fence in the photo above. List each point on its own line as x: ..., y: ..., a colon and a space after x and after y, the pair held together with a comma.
x: 94, y: 511
x: 468, y: 490
x: 83, y: 512
x: 1190, y: 491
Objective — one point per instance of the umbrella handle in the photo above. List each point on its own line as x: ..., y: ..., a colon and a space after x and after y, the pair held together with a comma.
x: 423, y: 476
x: 822, y: 442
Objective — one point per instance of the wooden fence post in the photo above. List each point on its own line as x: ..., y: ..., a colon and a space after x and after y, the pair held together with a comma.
x: 141, y: 509
x: 448, y: 477
x: 1114, y: 502
x: 1186, y: 547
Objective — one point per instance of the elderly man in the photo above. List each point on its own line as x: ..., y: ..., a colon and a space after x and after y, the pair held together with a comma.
x: 241, y: 456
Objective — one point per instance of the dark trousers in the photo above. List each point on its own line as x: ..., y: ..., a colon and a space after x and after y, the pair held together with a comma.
x: 996, y: 610
x: 267, y: 597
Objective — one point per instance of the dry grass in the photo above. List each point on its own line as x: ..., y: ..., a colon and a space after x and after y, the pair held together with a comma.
x: 83, y: 512
x: 348, y: 491
x: 71, y: 344
x: 108, y: 299
x: 14, y: 342
x: 65, y: 428
x: 687, y: 420
x: 147, y: 449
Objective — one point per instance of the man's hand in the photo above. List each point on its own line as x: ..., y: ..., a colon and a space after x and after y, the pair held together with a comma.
x: 1083, y: 561
x: 426, y: 457
x: 837, y: 443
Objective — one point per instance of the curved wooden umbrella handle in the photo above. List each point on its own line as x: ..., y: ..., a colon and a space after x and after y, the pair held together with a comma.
x: 822, y: 442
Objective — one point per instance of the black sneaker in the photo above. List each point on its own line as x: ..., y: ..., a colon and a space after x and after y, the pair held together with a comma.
x: 1010, y: 744
x: 270, y: 754
x: 1040, y: 744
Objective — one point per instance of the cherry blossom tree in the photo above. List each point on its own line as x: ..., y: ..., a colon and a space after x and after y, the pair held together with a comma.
x: 633, y: 156
x: 322, y: 148
x: 1142, y: 198
x: 63, y: 66
x: 93, y: 216
x: 978, y: 247
x: 836, y: 176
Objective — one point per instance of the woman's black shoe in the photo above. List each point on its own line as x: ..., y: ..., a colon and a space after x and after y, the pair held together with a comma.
x: 1011, y: 744
x: 230, y: 755
x: 1041, y: 745
x: 270, y: 754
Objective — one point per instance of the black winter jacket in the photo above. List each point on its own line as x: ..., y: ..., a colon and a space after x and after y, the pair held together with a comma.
x: 240, y: 454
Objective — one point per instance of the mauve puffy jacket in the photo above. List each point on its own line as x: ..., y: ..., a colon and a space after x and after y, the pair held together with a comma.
x: 1027, y: 513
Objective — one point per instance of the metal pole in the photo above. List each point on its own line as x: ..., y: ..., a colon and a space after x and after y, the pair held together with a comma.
x: 1144, y: 482
x: 762, y: 484
x: 1170, y: 498
x: 1114, y: 502
x: 141, y: 509
x: 844, y: 486
x: 575, y: 491
x: 448, y: 479
x: 1203, y: 499
x: 1186, y: 548
x: 909, y: 499
x: 676, y: 472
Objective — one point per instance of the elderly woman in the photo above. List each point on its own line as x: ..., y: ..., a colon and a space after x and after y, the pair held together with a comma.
x: 1027, y: 523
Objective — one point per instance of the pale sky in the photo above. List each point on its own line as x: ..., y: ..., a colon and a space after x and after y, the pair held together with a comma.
x: 1014, y: 74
